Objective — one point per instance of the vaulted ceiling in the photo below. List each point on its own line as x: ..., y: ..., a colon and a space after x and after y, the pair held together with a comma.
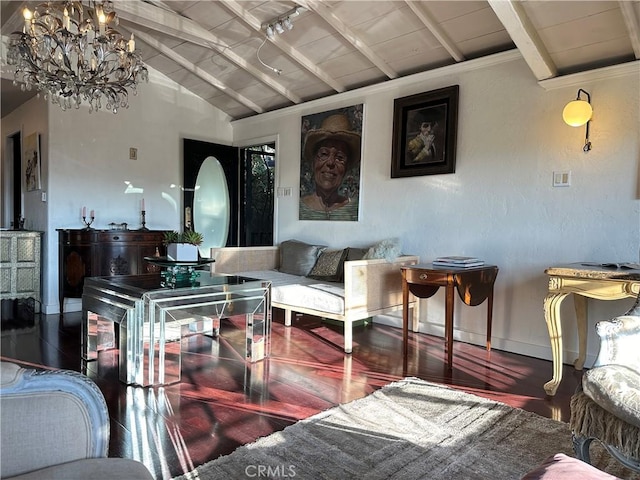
x: 220, y: 51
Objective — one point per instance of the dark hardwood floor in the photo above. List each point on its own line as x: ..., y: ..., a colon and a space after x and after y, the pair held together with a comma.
x: 223, y: 402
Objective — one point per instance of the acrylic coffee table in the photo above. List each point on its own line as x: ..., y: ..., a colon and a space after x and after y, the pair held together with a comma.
x: 152, y: 320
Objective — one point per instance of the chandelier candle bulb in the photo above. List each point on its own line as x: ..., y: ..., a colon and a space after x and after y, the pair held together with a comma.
x: 102, y: 19
x: 26, y: 13
x: 132, y: 46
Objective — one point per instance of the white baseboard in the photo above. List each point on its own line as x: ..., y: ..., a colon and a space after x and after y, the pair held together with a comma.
x: 521, y: 348
x: 70, y: 305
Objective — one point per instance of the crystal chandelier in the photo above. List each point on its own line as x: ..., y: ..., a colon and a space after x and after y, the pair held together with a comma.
x: 71, y: 52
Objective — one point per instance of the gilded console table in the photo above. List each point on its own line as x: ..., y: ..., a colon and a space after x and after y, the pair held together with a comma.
x: 584, y: 281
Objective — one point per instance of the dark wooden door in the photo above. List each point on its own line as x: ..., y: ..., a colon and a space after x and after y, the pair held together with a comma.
x: 195, y: 153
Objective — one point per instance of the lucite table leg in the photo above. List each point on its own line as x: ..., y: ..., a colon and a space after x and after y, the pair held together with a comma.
x: 129, y: 358
x: 89, y: 335
x: 268, y: 312
x: 255, y: 337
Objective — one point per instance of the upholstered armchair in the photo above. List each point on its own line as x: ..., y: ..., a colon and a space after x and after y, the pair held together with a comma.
x: 55, y: 425
x: 607, y: 407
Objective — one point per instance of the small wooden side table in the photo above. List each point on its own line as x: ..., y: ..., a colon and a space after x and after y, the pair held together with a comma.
x: 474, y: 285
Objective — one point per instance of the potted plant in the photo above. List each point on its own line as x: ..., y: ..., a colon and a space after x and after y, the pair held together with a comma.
x: 183, y: 247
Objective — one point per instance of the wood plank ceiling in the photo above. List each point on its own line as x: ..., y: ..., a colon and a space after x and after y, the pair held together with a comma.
x: 220, y: 51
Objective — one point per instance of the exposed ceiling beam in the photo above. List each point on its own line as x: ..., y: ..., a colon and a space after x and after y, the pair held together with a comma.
x: 251, y: 20
x: 515, y: 21
x: 631, y: 21
x: 421, y: 12
x: 349, y: 35
x: 15, y: 22
x: 160, y: 4
x: 204, y: 75
x: 186, y: 29
x: 6, y: 72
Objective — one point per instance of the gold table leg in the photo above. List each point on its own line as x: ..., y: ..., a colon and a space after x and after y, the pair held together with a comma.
x: 552, y: 304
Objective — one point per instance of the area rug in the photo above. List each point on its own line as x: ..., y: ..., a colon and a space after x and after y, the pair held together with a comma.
x: 410, y: 429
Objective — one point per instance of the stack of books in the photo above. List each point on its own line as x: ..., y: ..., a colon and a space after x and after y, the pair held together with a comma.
x: 458, y: 262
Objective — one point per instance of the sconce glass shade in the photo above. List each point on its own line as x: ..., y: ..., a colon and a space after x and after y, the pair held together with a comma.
x: 577, y: 113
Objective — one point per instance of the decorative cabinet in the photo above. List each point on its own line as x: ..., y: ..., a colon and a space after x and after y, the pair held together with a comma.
x: 104, y: 253
x: 20, y: 258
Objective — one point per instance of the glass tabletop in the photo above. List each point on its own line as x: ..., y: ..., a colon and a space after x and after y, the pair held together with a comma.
x: 167, y: 262
x: 139, y: 284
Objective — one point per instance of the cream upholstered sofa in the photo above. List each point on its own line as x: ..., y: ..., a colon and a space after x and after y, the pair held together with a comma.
x: 55, y: 425
x: 359, y: 289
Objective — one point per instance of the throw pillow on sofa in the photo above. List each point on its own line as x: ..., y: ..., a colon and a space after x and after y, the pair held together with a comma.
x: 354, y: 253
x: 298, y: 258
x: 330, y: 266
x: 388, y: 249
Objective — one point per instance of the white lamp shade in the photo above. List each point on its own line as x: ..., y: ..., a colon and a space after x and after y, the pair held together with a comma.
x: 577, y: 113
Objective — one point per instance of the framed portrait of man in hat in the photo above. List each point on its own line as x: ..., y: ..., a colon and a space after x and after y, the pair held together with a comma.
x: 330, y: 165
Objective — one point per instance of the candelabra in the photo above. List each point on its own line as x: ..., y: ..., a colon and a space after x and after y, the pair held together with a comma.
x: 88, y: 224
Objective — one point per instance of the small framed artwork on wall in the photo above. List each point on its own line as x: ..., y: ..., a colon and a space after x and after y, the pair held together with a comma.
x: 32, y: 162
x: 425, y: 133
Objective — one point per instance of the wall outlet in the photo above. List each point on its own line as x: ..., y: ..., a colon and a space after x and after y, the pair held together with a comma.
x: 44, y: 196
x: 562, y: 179
x: 133, y: 153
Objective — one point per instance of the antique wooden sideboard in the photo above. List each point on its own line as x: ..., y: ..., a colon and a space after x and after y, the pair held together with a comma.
x: 104, y: 253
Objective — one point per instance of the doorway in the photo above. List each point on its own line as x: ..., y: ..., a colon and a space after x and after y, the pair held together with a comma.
x: 12, y: 182
x: 249, y: 179
x: 258, y: 206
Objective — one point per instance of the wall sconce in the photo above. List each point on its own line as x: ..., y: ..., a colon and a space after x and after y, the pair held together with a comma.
x: 578, y: 113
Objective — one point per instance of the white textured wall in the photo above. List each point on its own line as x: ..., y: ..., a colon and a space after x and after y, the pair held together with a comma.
x: 29, y: 118
x: 500, y: 204
x: 87, y: 162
